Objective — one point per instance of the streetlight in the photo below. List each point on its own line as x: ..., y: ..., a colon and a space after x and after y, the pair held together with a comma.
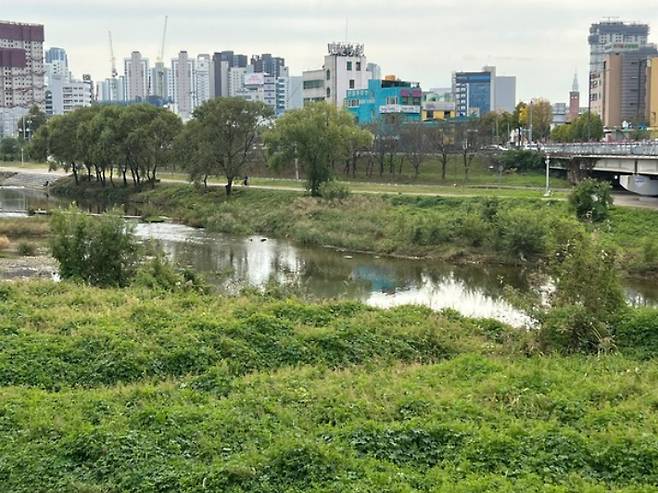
x: 547, y: 193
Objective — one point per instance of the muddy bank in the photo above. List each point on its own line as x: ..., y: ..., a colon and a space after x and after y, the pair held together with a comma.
x: 41, y: 267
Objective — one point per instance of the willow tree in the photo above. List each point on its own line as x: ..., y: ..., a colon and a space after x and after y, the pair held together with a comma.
x: 318, y: 136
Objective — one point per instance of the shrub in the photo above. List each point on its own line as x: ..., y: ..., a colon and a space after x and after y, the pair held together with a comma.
x: 332, y: 190
x: 587, y: 301
x: 99, y: 250
x: 4, y: 243
x: 637, y: 333
x: 591, y: 200
x: 159, y: 274
x: 572, y: 329
x: 521, y: 159
x: 522, y: 233
x: 27, y: 249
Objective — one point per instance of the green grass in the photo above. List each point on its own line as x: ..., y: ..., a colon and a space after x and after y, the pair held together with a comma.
x: 138, y: 391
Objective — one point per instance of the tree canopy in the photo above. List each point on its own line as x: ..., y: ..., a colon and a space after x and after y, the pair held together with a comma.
x: 131, y: 140
x: 319, y: 135
x: 221, y: 138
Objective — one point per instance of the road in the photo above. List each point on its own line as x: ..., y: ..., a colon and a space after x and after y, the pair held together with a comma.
x: 620, y: 199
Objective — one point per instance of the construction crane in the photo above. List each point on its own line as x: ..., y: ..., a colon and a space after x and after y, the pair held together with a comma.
x: 164, y: 37
x: 113, y: 59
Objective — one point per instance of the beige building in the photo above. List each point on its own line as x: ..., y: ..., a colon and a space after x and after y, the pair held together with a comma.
x: 652, y: 92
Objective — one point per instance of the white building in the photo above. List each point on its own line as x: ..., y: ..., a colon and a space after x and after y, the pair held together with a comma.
x: 137, y: 77
x: 345, y: 67
x: 235, y: 81
x: 313, y: 82
x: 182, y: 71
x: 203, y: 70
x: 111, y: 90
x: 64, y: 95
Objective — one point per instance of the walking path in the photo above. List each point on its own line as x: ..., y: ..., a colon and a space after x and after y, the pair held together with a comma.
x: 36, y: 179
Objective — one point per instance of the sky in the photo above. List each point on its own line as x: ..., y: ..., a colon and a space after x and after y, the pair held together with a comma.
x: 542, y: 42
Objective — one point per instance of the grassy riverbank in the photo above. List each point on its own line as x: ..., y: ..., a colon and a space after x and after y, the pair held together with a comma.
x: 141, y: 391
x: 496, y: 229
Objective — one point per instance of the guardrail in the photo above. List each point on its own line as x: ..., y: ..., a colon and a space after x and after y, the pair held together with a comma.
x: 604, y: 149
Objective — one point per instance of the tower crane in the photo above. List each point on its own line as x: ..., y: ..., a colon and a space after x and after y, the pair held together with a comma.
x: 113, y: 59
x: 164, y: 37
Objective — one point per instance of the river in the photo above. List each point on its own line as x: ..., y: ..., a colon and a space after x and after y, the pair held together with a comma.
x: 233, y: 263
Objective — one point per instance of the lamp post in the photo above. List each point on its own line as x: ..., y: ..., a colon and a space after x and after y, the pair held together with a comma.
x: 547, y: 193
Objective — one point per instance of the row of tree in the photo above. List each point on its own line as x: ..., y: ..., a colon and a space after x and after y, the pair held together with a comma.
x: 102, y: 142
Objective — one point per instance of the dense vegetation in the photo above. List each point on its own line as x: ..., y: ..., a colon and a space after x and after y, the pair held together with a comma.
x: 145, y: 391
x: 500, y: 229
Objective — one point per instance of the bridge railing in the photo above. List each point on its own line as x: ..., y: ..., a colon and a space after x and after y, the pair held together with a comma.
x: 604, y: 149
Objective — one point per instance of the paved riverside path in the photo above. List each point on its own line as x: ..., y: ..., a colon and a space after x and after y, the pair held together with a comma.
x: 36, y: 178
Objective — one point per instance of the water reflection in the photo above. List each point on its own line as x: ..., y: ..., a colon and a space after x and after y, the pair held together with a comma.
x: 234, y: 263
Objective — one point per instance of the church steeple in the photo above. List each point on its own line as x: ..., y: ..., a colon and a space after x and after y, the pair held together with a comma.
x: 574, y: 87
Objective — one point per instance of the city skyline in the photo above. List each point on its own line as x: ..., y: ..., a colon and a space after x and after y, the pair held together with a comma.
x: 541, y: 44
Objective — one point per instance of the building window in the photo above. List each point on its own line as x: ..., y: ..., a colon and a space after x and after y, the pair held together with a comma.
x: 358, y: 66
x: 351, y: 83
x: 328, y: 74
x: 349, y: 66
x: 328, y: 92
x: 391, y: 100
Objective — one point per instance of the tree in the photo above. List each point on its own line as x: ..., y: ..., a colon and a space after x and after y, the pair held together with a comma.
x: 467, y: 139
x: 538, y: 115
x: 442, y: 142
x: 414, y: 142
x: 318, y: 135
x: 31, y: 122
x: 10, y: 149
x: 221, y: 137
x: 587, y: 127
x: 592, y: 200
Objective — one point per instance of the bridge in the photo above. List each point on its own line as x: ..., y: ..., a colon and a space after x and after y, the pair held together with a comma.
x: 635, y: 163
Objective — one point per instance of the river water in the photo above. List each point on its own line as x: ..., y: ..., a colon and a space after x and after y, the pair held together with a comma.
x: 233, y: 263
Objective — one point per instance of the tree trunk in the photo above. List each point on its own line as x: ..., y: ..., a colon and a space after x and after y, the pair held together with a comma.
x: 75, y: 174
x: 444, y: 166
x: 229, y: 185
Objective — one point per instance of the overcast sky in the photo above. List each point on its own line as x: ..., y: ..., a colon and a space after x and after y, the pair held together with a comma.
x: 542, y: 42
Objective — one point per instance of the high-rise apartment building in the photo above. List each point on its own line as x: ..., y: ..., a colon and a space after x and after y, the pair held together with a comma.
x: 22, y: 83
x: 182, y: 71
x: 222, y: 62
x: 610, y: 37
x: 160, y: 81
x: 268, y: 64
x: 651, y: 103
x: 137, y: 77
x: 56, y: 63
x: 202, y: 90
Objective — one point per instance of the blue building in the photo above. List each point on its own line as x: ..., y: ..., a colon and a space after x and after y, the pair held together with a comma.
x: 383, y: 98
x: 474, y: 92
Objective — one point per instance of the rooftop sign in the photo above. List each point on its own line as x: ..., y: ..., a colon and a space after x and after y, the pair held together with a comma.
x: 345, y: 49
